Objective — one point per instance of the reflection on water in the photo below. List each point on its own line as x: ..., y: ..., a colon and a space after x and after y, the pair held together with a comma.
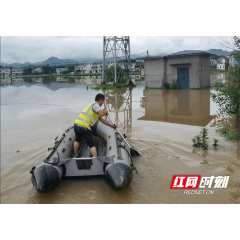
x: 218, y: 77
x: 44, y: 107
x: 120, y: 102
x: 86, y: 80
x: 190, y: 107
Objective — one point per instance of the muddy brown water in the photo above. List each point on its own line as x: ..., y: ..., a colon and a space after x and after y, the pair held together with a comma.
x: 159, y: 125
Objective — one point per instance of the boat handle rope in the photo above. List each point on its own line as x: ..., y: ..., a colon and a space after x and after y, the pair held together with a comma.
x: 132, y: 165
x: 55, y: 147
x: 45, y: 160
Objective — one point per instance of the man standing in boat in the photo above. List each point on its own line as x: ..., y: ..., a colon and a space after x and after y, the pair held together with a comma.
x: 84, y: 122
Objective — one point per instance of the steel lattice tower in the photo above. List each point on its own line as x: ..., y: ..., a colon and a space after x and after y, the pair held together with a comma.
x: 118, y: 48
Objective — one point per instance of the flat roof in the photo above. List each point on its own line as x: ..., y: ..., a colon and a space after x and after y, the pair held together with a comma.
x: 177, y: 55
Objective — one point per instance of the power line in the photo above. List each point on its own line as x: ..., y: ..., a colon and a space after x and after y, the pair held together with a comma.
x: 100, y: 59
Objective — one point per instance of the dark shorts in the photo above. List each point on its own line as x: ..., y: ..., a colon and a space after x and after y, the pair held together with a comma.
x: 84, y: 134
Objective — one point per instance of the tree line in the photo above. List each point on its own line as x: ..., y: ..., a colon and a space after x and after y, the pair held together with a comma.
x: 46, y: 69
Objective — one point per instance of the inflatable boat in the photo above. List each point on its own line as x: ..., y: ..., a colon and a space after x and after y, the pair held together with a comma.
x: 113, y: 160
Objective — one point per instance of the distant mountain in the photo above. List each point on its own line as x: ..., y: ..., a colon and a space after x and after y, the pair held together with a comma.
x: 56, y: 61
x: 14, y: 65
x: 162, y: 54
x: 86, y: 59
x: 52, y: 61
x: 218, y: 52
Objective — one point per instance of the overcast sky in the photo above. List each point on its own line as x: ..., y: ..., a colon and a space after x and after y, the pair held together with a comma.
x: 34, y: 49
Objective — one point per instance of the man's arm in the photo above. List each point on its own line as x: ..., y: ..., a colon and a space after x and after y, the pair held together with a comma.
x: 102, y: 113
x: 107, y: 123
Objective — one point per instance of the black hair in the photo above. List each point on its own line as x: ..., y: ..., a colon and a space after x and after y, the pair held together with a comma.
x: 99, y: 97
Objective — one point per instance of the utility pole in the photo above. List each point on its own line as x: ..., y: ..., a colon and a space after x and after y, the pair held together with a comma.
x: 115, y: 61
x: 103, y: 66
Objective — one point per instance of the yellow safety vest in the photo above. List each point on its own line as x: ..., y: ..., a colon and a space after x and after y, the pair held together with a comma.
x: 88, y: 117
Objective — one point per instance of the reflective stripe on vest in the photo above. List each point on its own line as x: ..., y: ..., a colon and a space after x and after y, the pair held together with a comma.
x: 86, y: 114
x: 85, y: 119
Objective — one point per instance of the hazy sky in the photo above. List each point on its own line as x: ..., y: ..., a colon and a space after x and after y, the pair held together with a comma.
x: 33, y: 49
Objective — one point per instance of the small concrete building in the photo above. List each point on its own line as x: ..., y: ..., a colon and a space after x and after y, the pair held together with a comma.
x: 191, y: 71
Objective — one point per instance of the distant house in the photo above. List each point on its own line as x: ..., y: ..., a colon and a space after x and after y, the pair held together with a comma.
x: 133, y: 64
x: 213, y: 60
x: 96, y: 68
x: 232, y: 61
x: 5, y: 71
x: 137, y: 68
x: 142, y: 73
x: 79, y: 69
x: 135, y: 76
x: 87, y: 67
x: 221, y: 63
x: 110, y: 64
x: 37, y: 71
x: 60, y: 70
x: 17, y: 71
x: 82, y: 69
x: 99, y: 68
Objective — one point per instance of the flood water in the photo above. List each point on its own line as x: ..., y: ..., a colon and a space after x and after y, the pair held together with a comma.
x: 158, y: 123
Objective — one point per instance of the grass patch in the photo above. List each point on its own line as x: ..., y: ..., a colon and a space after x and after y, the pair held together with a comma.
x: 103, y: 86
x: 228, y: 132
x: 135, y: 73
x: 152, y: 87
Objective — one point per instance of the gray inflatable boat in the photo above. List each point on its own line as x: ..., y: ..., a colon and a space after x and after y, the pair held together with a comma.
x: 58, y: 162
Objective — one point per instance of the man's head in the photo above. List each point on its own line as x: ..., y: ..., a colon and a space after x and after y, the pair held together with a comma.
x: 99, y: 99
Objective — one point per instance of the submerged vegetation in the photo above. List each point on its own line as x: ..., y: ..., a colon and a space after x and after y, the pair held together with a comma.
x: 173, y: 85
x: 104, y: 86
x: 122, y: 81
x: 201, y: 140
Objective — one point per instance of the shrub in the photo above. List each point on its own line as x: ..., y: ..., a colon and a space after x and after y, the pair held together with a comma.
x: 174, y: 84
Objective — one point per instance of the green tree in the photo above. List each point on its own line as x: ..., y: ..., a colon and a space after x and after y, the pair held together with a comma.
x: 237, y: 44
x: 27, y: 71
x: 227, y: 96
x: 109, y: 76
x: 237, y: 57
x: 46, y: 69
x: 70, y: 68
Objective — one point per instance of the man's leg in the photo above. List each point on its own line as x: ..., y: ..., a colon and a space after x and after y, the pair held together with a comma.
x: 88, y: 137
x: 75, y: 148
x: 93, y: 151
x: 76, y: 144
